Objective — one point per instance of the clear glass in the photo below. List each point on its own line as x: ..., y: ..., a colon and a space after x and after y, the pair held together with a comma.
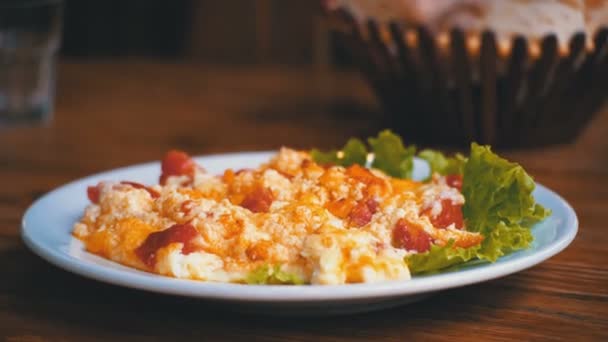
x: 30, y: 34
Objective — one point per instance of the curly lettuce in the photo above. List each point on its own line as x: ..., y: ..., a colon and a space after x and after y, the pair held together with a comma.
x: 498, y: 204
x: 439, y: 163
x: 272, y: 275
x: 391, y: 156
x: 501, y: 241
x: 498, y: 196
x: 440, y: 257
x: 354, y: 152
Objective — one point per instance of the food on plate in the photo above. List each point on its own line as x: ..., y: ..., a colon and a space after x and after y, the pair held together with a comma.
x: 315, y: 217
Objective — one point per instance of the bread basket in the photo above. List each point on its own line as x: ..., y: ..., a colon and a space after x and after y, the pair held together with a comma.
x: 454, y: 88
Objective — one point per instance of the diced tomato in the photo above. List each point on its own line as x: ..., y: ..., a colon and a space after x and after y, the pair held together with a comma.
x: 361, y: 174
x: 468, y: 239
x: 341, y: 208
x: 93, y: 193
x: 186, y: 207
x: 183, y: 233
x: 176, y: 163
x: 306, y: 163
x: 455, y: 181
x: 259, y: 200
x: 375, y: 186
x: 153, y: 193
x: 450, y: 213
x: 162, y: 180
x: 411, y: 237
x: 228, y: 176
x: 362, y: 212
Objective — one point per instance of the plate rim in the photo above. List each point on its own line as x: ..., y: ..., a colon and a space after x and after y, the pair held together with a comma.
x: 280, y: 293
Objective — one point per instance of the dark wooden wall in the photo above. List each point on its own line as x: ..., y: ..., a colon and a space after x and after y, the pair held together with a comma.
x: 217, y: 31
x: 101, y: 28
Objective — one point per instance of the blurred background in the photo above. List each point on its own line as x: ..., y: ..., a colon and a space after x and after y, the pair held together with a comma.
x: 297, y: 34
x: 277, y: 72
x: 227, y: 31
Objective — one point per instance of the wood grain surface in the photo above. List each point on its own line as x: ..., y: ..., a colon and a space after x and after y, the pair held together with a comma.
x: 112, y: 114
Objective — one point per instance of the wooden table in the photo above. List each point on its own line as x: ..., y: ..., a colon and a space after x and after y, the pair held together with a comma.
x: 119, y: 113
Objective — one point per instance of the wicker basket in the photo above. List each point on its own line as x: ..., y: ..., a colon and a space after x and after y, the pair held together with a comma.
x: 437, y: 90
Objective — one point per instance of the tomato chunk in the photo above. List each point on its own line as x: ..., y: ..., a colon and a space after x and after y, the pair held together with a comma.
x: 361, y: 174
x: 186, y: 207
x: 411, y: 237
x: 183, y: 233
x: 341, y: 208
x: 455, y: 181
x: 153, y: 193
x: 468, y: 240
x: 362, y: 212
x: 450, y: 213
x: 176, y: 163
x: 259, y: 200
x: 93, y: 193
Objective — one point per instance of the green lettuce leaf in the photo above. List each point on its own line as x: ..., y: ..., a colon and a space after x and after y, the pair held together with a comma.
x: 267, y: 275
x: 391, y: 156
x: 440, y: 257
x: 498, y: 199
x: 497, y: 190
x: 443, y: 165
x: 354, y: 152
x: 499, y: 202
x: 503, y: 240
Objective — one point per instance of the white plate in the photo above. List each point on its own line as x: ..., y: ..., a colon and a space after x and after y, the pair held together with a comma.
x: 48, y: 222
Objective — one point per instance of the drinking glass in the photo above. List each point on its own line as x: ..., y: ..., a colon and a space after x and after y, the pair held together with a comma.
x: 30, y: 32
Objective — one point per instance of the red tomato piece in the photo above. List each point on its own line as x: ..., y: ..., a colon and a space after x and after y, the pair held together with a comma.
x: 362, y: 212
x: 362, y: 174
x: 162, y: 180
x: 411, y: 237
x: 341, y: 208
x: 176, y: 163
x: 455, y: 181
x: 450, y: 213
x: 186, y: 207
x: 183, y: 233
x: 259, y: 200
x: 93, y: 193
x: 153, y: 193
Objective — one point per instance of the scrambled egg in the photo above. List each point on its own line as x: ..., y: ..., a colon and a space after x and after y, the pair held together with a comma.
x: 324, y: 224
